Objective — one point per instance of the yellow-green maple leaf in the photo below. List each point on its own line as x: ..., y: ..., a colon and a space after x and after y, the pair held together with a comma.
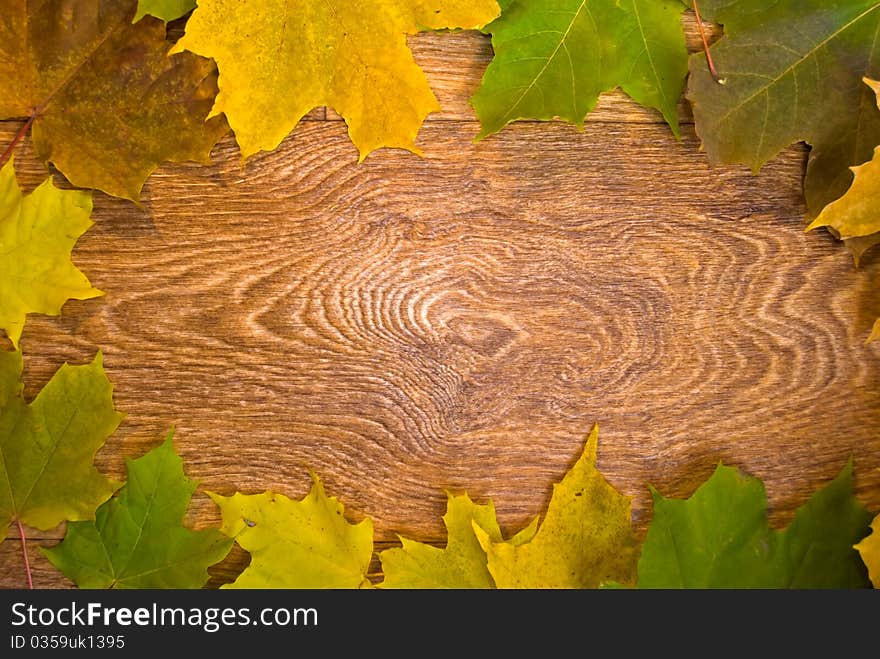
x: 47, y: 447
x: 585, y: 539
x: 869, y: 548
x: 462, y: 563
x: 167, y: 10
x: 297, y: 544
x: 37, y: 234
x: 278, y: 59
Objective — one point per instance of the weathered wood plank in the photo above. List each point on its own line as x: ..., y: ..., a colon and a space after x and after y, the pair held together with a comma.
x: 43, y: 573
x: 401, y: 325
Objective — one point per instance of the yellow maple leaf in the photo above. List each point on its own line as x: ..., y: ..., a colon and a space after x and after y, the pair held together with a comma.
x: 37, y: 234
x: 855, y: 217
x: 297, y: 544
x: 278, y: 59
x: 585, y: 539
x: 857, y: 213
x: 869, y: 548
x: 462, y: 563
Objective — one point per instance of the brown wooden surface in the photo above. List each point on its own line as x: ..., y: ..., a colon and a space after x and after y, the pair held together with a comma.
x: 461, y: 320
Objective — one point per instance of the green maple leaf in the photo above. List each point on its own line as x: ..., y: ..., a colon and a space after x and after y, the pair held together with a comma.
x: 720, y: 538
x: 553, y: 58
x: 106, y: 103
x: 462, y: 563
x: 47, y: 447
x: 37, y: 234
x: 137, y: 539
x: 792, y: 72
x: 297, y: 544
x: 167, y: 10
x: 279, y: 59
x: 584, y: 540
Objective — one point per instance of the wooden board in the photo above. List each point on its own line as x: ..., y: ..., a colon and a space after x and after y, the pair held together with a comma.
x: 460, y: 321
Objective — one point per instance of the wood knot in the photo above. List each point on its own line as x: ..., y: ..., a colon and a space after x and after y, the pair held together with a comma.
x: 488, y: 334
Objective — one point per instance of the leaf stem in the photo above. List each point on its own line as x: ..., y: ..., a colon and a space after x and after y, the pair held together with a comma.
x: 27, y: 562
x: 19, y: 136
x: 705, y: 40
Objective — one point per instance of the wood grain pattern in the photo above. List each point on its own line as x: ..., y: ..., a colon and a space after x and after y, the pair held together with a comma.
x: 460, y: 321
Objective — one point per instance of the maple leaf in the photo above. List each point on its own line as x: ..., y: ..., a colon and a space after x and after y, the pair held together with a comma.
x: 875, y: 332
x: 553, y: 58
x: 106, y: 104
x: 137, y: 539
x: 792, y: 71
x: 462, y: 563
x: 854, y: 217
x: 869, y: 549
x: 297, y: 544
x: 856, y: 213
x: 585, y: 539
x: 720, y: 538
x: 37, y: 234
x: 280, y: 59
x: 47, y: 447
x: 167, y: 10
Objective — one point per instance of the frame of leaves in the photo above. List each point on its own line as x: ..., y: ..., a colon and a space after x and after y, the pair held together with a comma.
x: 57, y: 101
